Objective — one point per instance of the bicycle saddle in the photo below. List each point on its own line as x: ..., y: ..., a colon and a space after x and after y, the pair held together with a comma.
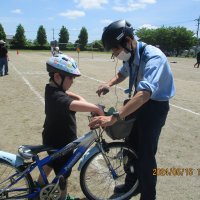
x: 28, y: 151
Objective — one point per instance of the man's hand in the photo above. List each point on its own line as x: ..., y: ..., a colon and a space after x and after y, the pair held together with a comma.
x: 103, y: 89
x: 102, y: 121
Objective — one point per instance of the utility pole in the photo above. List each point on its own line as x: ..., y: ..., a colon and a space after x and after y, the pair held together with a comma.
x: 53, y: 34
x: 198, y: 24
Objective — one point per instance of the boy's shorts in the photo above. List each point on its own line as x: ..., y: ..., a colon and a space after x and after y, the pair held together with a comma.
x: 58, y: 163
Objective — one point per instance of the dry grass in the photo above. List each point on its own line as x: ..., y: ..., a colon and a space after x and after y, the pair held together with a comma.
x: 22, y: 114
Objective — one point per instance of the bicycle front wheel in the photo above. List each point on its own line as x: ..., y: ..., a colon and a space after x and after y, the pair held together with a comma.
x: 8, y: 175
x: 97, y: 180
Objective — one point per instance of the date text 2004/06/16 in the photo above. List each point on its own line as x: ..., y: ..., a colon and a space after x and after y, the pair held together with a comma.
x: 176, y: 171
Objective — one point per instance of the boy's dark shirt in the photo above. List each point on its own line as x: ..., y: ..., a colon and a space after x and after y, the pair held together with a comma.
x: 60, y: 122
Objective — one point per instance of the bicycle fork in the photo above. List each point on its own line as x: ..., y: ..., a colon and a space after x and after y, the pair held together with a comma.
x: 109, y: 165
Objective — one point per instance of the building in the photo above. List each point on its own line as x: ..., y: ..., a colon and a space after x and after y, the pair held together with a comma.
x: 9, y: 39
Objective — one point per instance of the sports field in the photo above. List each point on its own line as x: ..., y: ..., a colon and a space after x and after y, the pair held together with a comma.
x: 22, y: 114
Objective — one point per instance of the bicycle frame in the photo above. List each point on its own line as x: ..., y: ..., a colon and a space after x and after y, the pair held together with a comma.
x: 81, y: 145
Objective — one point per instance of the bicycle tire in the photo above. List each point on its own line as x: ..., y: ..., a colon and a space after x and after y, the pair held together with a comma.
x: 95, y: 178
x: 26, y: 183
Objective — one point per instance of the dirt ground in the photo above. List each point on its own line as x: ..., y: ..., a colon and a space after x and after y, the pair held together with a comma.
x: 22, y: 114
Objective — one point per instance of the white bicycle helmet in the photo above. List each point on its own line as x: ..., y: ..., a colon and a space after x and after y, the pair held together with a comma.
x: 63, y: 65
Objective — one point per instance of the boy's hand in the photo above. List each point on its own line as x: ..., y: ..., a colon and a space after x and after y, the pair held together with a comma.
x: 99, y: 111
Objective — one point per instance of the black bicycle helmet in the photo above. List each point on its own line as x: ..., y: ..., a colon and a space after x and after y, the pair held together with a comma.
x: 115, y: 34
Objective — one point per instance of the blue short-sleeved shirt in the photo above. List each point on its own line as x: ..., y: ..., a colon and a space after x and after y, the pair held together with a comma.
x: 154, y: 73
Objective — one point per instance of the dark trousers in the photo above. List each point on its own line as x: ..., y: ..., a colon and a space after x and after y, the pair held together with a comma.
x: 6, y: 66
x: 3, y: 66
x: 150, y: 119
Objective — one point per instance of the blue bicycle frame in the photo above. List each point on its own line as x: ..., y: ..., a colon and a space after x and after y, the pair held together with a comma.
x: 81, y: 145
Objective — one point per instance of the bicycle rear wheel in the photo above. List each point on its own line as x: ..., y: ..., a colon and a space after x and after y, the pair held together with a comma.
x: 8, y: 174
x: 96, y: 179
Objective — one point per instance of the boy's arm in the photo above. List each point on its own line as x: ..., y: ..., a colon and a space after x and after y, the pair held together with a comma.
x: 83, y: 106
x: 75, y: 96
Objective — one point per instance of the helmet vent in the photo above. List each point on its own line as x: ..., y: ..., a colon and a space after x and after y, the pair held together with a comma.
x: 64, y: 58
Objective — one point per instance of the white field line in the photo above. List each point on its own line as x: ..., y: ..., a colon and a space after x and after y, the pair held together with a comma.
x: 189, y: 81
x: 121, y: 88
x: 28, y: 84
x: 34, y: 73
x: 91, y: 78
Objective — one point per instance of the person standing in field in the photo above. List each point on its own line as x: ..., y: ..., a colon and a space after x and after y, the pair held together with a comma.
x: 61, y: 106
x: 3, y: 59
x: 198, y: 60
x: 150, y: 74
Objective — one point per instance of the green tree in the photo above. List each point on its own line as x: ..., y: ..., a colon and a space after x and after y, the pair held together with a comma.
x: 71, y: 46
x: 19, y: 39
x: 168, y: 39
x: 163, y: 38
x: 41, y: 36
x: 63, y: 37
x: 83, y: 38
x: 146, y: 35
x: 98, y: 45
x: 29, y: 43
x: 2, y: 33
x: 182, y: 39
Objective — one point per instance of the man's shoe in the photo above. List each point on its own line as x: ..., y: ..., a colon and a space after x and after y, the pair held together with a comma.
x: 123, y: 188
x: 120, y: 189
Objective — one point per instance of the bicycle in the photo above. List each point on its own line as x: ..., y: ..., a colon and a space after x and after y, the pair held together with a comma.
x: 103, y: 166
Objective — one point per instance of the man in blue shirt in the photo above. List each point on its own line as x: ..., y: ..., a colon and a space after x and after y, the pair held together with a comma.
x: 150, y: 74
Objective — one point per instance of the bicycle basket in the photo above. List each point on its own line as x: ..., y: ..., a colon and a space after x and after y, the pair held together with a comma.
x: 121, y: 129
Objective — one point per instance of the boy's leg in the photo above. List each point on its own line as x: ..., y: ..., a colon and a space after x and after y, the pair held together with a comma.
x: 6, y: 66
x: 64, y: 191
x: 47, y: 171
x: 57, y: 165
x: 1, y: 67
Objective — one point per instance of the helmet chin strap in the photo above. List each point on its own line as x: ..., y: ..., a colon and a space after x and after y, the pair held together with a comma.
x: 61, y: 84
x: 130, y: 51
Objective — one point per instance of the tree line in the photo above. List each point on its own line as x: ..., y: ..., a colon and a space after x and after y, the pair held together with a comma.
x: 19, y: 40
x: 171, y: 40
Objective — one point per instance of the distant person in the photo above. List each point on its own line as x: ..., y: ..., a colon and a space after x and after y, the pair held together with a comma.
x: 61, y: 106
x: 198, y: 60
x: 3, y: 59
x: 56, y: 51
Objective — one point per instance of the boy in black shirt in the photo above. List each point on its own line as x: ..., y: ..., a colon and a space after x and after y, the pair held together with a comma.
x: 60, y: 108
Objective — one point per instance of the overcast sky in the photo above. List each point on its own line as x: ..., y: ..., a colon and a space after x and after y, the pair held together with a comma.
x: 94, y: 15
